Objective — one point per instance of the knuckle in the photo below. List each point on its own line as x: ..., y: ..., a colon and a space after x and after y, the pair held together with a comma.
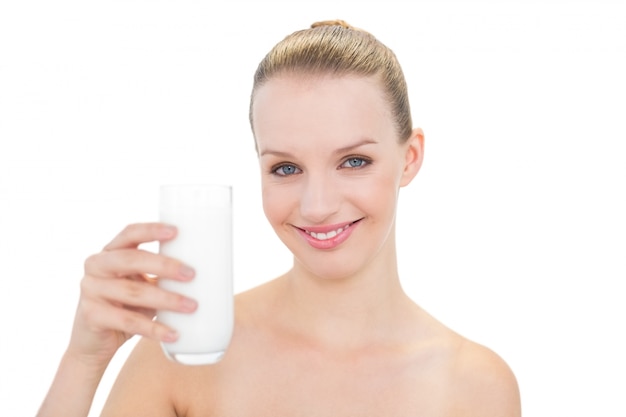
x: 126, y: 257
x: 131, y: 323
x: 155, y: 330
x: 91, y: 262
x: 129, y: 260
x: 85, y: 285
x: 90, y: 287
x: 168, y: 266
x: 133, y: 290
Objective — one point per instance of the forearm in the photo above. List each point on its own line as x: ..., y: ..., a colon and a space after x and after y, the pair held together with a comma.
x: 72, y: 390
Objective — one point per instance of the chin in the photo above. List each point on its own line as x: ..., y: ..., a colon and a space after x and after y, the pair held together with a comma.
x: 326, y: 268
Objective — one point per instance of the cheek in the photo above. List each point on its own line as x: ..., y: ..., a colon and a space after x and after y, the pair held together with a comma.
x: 382, y: 193
x: 275, y: 204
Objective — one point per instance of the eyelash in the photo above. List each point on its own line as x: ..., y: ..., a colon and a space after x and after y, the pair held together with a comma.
x: 275, y: 170
x: 363, y: 160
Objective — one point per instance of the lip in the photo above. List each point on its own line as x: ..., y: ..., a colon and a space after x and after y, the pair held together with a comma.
x: 330, y: 243
x: 327, y: 227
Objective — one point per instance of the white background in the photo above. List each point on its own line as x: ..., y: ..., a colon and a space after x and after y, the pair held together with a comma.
x: 513, y: 234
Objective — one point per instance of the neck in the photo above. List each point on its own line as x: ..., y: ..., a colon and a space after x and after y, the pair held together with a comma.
x: 348, y: 312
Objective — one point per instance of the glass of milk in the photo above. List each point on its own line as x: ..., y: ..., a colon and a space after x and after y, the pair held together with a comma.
x: 203, y: 215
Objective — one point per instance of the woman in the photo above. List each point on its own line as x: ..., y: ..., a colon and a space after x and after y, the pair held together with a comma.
x: 334, y: 336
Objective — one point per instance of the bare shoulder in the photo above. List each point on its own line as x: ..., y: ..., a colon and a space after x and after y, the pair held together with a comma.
x: 483, y: 384
x: 144, y: 375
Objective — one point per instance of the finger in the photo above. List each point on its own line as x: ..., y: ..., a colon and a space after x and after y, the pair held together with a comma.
x: 147, y: 312
x: 128, y: 262
x: 107, y: 317
x: 151, y: 280
x: 140, y: 296
x: 135, y: 234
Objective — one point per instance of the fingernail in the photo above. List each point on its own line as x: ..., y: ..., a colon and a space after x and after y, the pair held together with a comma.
x: 167, y: 232
x: 170, y: 336
x: 189, y: 305
x: 187, y: 272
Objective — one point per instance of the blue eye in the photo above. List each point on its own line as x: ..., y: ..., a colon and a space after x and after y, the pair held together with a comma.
x: 285, y: 170
x: 355, y: 162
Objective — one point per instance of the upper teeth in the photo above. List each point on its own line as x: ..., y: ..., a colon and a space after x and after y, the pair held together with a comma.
x: 329, y: 235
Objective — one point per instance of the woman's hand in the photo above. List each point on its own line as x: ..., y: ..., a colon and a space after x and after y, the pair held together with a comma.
x: 119, y: 296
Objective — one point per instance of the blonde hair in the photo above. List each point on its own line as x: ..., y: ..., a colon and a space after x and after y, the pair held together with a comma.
x: 335, y: 48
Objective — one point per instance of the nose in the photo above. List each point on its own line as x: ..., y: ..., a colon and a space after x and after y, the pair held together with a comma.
x: 319, y: 200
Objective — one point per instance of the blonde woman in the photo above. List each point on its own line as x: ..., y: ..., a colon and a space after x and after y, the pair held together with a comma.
x: 334, y: 336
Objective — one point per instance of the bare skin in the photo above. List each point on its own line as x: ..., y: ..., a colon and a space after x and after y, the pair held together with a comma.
x: 415, y: 368
x: 336, y: 335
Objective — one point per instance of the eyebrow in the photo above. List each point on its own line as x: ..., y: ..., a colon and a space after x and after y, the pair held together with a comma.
x: 344, y: 149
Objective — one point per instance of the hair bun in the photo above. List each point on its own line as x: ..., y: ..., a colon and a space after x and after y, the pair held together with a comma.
x: 336, y: 22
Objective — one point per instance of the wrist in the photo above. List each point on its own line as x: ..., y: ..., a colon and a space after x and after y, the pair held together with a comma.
x: 74, y: 386
x: 90, y: 366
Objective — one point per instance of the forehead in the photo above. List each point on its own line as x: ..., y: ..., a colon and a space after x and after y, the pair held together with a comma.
x: 293, y: 111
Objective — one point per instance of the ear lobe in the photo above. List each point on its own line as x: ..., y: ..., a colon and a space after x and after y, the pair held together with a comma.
x: 414, y: 155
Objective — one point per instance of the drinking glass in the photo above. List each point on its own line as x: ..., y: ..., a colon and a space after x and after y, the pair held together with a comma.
x: 203, y: 215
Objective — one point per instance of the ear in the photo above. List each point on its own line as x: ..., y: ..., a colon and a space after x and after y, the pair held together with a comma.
x: 414, y: 155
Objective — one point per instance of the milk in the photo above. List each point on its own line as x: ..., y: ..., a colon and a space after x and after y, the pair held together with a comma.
x: 203, y: 216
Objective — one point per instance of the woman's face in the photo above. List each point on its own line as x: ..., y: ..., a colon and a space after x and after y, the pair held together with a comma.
x: 331, y: 167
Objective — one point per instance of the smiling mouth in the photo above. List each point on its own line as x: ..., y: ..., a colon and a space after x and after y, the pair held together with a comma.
x: 330, y: 234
